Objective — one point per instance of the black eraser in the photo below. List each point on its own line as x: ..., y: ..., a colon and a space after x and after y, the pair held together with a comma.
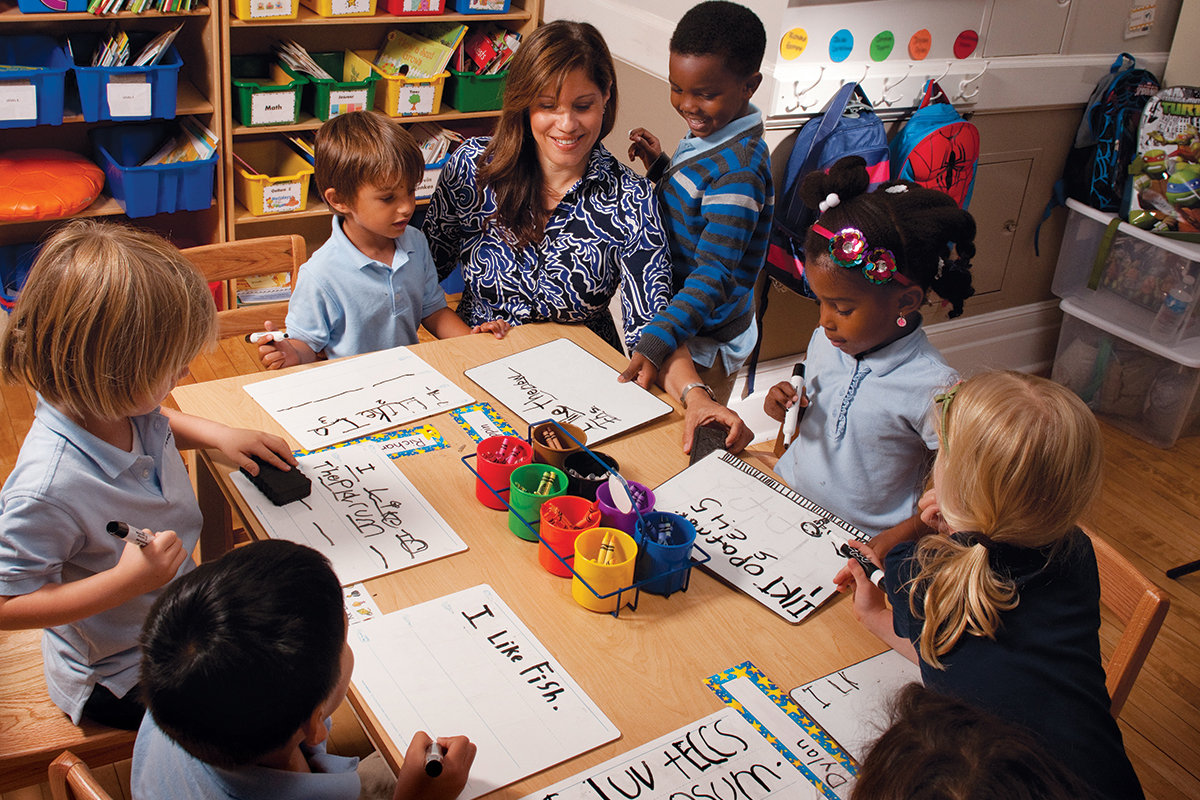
x: 279, y: 487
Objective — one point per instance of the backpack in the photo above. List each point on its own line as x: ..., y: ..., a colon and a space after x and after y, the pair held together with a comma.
x: 1098, y: 164
x: 937, y: 148
x: 847, y: 126
x: 1163, y: 191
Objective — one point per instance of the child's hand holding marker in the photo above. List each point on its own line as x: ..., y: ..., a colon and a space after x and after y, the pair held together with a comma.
x: 414, y: 779
x: 150, y: 560
x: 274, y: 347
x: 781, y: 398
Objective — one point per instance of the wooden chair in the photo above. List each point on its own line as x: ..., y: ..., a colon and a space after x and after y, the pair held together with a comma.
x: 32, y: 729
x: 241, y: 259
x: 70, y: 779
x: 224, y: 262
x: 1140, y: 605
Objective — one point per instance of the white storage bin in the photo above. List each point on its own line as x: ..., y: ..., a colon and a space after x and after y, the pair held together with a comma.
x: 1124, y: 278
x: 1136, y: 384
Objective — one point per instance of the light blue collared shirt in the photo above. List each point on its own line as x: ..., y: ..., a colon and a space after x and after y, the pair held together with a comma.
x: 65, y: 489
x: 863, y: 443
x: 347, y: 304
x: 693, y: 145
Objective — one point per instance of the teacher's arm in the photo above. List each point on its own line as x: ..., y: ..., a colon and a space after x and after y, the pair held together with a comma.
x: 443, y: 220
x: 678, y: 373
x: 645, y: 259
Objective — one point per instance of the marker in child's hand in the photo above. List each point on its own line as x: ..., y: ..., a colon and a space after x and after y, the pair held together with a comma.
x: 874, y: 573
x: 792, y: 419
x: 433, y: 760
x: 130, y: 533
x: 274, y: 336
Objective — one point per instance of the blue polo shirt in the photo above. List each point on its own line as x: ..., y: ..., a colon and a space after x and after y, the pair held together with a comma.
x: 163, y: 769
x: 66, y: 487
x: 863, y: 444
x: 347, y: 304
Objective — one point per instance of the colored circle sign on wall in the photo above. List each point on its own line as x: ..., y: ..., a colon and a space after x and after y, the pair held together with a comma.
x: 919, y: 44
x: 793, y: 44
x: 965, y: 44
x: 840, y: 46
x: 882, y: 44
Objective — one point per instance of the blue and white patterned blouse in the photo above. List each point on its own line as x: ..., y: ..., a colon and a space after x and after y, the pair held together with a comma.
x: 606, y: 228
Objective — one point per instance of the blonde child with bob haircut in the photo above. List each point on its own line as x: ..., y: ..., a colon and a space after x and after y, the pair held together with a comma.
x: 105, y: 326
x: 1000, y: 606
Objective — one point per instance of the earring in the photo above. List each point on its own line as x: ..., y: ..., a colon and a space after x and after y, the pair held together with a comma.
x: 901, y: 322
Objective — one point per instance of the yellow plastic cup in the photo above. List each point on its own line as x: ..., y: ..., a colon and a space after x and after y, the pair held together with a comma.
x: 602, y: 578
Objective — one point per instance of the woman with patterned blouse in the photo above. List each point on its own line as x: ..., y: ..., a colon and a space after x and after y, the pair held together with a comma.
x: 544, y: 221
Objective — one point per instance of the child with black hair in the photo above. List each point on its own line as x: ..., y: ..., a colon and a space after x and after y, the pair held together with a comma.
x: 243, y: 662
x: 716, y: 197
x: 865, y: 441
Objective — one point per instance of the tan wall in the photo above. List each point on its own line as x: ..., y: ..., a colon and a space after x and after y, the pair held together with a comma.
x: 1022, y: 156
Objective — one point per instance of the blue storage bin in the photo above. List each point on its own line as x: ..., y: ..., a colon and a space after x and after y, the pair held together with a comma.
x: 480, y: 6
x: 162, y: 77
x: 46, y: 81
x: 51, y: 6
x: 157, y: 188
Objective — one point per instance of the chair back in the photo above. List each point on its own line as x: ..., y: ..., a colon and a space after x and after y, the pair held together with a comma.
x: 244, y: 258
x: 70, y: 779
x: 1140, y: 605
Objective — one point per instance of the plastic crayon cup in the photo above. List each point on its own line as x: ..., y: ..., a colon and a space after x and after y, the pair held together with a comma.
x: 524, y: 499
x: 603, y: 578
x: 496, y: 458
x: 612, y: 518
x: 550, y: 446
x: 563, y: 519
x: 666, y: 540
x: 581, y: 467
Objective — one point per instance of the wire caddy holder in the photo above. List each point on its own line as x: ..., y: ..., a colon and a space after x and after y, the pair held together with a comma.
x: 641, y: 528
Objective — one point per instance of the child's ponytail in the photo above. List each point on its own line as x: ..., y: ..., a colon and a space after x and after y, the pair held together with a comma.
x: 958, y: 592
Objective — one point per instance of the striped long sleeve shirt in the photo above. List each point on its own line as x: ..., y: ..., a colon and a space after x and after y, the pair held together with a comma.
x: 717, y: 206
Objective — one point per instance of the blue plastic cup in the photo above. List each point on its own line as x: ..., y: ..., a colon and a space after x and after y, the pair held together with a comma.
x: 665, y: 540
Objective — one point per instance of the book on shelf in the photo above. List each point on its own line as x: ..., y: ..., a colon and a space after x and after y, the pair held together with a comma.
x: 486, y: 49
x: 422, y: 52
x: 264, y: 289
x: 434, y: 140
x: 194, y: 142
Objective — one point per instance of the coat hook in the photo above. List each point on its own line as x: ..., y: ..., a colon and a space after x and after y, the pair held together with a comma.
x: 799, y: 93
x: 963, y: 84
x: 945, y: 72
x: 888, y: 86
x: 866, y: 69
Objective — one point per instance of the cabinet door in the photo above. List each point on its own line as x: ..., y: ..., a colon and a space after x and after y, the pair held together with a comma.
x: 996, y: 206
x: 1026, y: 27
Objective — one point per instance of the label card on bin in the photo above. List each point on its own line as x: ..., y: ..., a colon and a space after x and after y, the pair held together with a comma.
x: 451, y: 665
x: 18, y: 100
x: 268, y: 108
x: 128, y: 99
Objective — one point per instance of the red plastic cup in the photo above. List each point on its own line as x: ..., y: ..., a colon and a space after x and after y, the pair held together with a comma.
x: 496, y: 458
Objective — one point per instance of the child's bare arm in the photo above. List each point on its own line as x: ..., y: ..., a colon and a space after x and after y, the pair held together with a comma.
x: 239, y: 444
x: 140, y: 570
x: 445, y: 324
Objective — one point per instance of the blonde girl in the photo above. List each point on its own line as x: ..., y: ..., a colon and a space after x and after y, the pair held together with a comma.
x: 1001, y: 606
x: 105, y: 326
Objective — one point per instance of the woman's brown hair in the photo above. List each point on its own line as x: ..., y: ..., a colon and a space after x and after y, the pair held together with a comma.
x: 509, y: 164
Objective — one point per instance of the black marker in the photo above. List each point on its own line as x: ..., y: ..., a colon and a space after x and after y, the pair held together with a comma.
x: 874, y: 573
x: 130, y: 533
x: 433, y: 760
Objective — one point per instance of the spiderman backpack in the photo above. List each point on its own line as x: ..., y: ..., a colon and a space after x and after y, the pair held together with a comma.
x: 1098, y: 164
x: 847, y: 126
x: 937, y: 148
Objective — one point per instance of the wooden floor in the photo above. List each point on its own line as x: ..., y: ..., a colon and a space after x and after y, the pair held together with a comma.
x: 1150, y: 511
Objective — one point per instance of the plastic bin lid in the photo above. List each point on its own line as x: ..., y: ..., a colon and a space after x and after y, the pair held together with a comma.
x: 1188, y: 250
x: 1187, y: 353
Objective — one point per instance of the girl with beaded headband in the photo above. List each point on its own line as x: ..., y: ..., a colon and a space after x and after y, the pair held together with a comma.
x: 1000, y: 604
x: 865, y: 442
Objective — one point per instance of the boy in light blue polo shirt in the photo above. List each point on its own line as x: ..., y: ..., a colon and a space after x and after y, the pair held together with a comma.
x: 373, y: 283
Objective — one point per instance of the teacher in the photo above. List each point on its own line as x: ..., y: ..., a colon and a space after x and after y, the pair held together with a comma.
x: 545, y: 223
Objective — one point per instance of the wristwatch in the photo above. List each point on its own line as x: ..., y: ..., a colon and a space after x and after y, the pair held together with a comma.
x: 683, y: 395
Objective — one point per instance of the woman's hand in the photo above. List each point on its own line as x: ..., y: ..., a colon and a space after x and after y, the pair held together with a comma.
x: 496, y: 327
x: 704, y: 411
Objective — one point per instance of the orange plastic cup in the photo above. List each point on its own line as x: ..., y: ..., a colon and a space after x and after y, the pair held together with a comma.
x: 563, y: 519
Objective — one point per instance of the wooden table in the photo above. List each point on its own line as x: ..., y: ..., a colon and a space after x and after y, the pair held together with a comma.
x: 645, y: 669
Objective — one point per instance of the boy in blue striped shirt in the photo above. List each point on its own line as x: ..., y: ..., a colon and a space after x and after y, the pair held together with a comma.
x: 716, y: 197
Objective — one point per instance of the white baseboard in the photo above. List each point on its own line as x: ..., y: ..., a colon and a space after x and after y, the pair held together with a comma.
x: 1022, y: 338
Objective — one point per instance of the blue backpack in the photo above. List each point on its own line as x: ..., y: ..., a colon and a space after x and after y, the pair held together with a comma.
x: 937, y: 148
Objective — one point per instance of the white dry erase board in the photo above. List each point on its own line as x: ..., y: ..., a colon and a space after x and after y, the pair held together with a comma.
x: 852, y: 703
x: 465, y: 664
x: 721, y: 755
x: 363, y: 514
x: 352, y: 397
x: 560, y: 380
x: 773, y: 544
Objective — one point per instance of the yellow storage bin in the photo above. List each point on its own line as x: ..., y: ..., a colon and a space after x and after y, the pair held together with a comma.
x: 276, y: 181
x: 342, y: 8
x: 255, y: 10
x: 399, y: 96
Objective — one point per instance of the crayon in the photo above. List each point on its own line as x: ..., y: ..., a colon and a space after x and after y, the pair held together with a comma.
x: 547, y: 483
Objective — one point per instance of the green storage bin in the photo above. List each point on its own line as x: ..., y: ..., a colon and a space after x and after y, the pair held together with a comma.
x: 466, y: 91
x: 265, y: 91
x: 322, y: 96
